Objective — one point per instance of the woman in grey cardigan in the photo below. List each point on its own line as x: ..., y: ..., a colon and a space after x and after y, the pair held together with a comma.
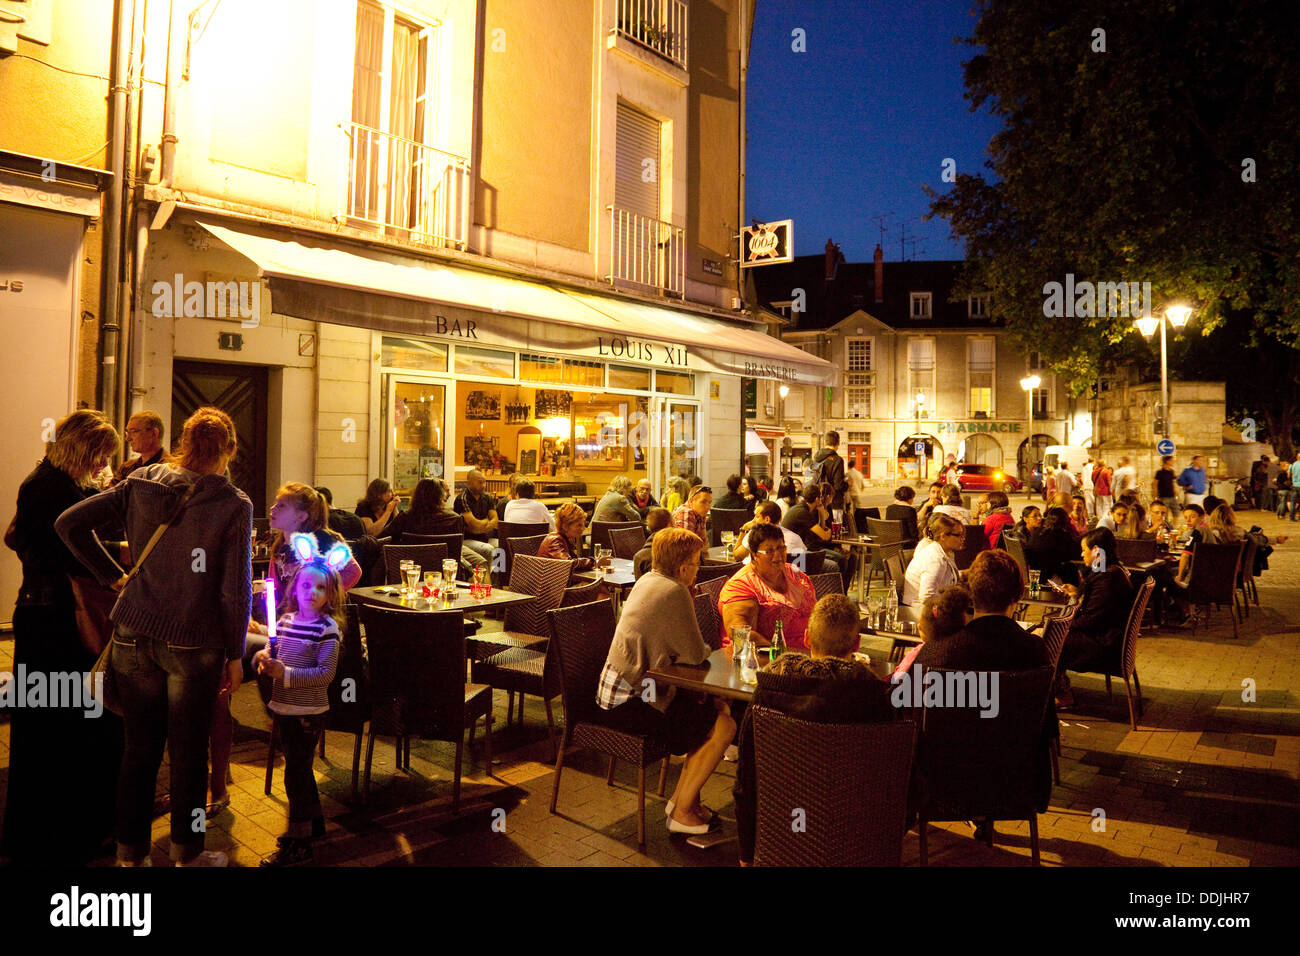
x: 179, y: 625
x: 658, y: 627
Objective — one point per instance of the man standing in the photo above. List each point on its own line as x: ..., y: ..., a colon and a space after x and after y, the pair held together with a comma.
x: 828, y: 467
x: 1268, y: 501
x: 1101, y: 485
x: 1124, y: 479
x: 1164, y: 486
x: 480, y: 514
x: 1295, y: 487
x: 1089, y: 496
x: 144, y: 434
x: 1065, y: 480
x: 856, y: 500
x: 1194, y: 483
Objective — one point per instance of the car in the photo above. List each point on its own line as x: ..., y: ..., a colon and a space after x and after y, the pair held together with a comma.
x: 985, y: 478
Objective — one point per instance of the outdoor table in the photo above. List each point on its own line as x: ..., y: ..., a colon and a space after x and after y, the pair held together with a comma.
x: 391, y: 596
x: 719, y: 555
x: 619, y: 576
x: 865, y: 544
x: 720, y: 676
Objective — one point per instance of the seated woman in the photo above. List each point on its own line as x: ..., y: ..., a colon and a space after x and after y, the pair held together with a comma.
x: 933, y: 567
x: 427, y: 515
x: 1031, y: 518
x: 614, y: 506
x: 562, y: 543
x: 787, y: 496
x: 827, y: 686
x: 733, y: 499
x: 998, y: 518
x: 901, y: 510
x: 944, y: 614
x: 656, y: 519
x: 1132, y: 528
x: 378, y: 508
x: 952, y: 504
x: 1114, y: 518
x: 1097, y: 631
x: 767, y: 590
x: 1050, y: 550
x: 658, y: 627
x: 1222, y: 528
x: 676, y: 494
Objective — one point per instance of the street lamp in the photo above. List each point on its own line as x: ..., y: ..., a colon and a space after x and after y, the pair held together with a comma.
x: 1177, y: 315
x: 920, y: 404
x: 1029, y: 383
x: 783, y: 391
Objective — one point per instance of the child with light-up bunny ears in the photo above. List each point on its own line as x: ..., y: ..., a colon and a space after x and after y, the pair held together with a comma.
x: 301, y: 656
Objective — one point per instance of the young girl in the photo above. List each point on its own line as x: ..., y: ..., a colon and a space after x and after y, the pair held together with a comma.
x: 302, y: 663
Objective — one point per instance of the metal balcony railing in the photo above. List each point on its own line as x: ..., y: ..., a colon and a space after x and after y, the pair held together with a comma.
x: 646, y: 252
x: 657, y: 25
x: 409, y: 190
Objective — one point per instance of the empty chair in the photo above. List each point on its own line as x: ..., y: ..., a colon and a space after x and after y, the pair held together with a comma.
x: 713, y: 572
x: 978, y: 766
x: 828, y: 583
x: 1245, y: 575
x: 511, y: 547
x: 976, y: 541
x: 1056, y: 629
x: 1135, y: 552
x: 418, y: 688
x: 583, y: 594
x: 510, y: 530
x: 883, y: 533
x: 1016, y: 548
x: 1213, y: 579
x: 712, y: 587
x: 600, y: 532
x: 428, y: 556
x: 626, y: 542
x: 580, y: 640
x: 725, y: 519
x: 850, y: 781
x: 710, y: 621
x: 810, y: 562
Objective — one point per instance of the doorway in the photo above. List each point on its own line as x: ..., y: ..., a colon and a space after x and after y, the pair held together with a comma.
x: 239, y: 391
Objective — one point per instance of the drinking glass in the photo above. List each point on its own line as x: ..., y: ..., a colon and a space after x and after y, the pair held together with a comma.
x: 728, y: 538
x: 1033, y: 581
x: 412, y: 577
x: 739, y: 637
x: 449, y: 568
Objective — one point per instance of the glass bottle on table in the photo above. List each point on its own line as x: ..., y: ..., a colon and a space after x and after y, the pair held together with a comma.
x: 778, y: 642
x: 891, y: 609
x: 749, y: 664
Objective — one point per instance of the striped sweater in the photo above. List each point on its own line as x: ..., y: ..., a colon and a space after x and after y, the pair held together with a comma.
x: 309, y: 651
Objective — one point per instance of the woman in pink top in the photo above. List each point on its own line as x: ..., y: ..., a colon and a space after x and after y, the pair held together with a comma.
x: 998, y: 518
x: 768, y: 590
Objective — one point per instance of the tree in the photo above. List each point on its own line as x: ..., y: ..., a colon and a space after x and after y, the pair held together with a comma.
x: 1164, y: 150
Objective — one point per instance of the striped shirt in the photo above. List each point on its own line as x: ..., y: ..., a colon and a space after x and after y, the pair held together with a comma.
x: 309, y: 651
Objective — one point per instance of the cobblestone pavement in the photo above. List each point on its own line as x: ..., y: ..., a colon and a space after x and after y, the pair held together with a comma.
x: 1208, y: 779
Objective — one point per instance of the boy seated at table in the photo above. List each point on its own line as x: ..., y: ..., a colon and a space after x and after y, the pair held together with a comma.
x: 827, y: 685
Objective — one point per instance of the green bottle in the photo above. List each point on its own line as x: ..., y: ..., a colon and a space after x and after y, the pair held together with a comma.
x: 778, y: 642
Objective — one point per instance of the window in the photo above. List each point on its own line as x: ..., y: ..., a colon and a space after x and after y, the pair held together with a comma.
x: 859, y: 438
x: 646, y: 250
x: 623, y: 376
x: 678, y: 383
x: 977, y: 306
x: 1040, y: 403
x: 857, y: 396
x: 539, y: 368
x: 979, y: 376
x: 584, y: 374
x: 857, y: 355
x: 920, y: 377
x: 921, y: 305
x: 486, y: 363
x: 413, y: 354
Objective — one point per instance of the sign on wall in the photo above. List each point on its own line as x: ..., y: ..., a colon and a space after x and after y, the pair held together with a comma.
x: 767, y: 243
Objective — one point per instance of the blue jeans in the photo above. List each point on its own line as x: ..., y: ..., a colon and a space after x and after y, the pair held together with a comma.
x: 167, y: 696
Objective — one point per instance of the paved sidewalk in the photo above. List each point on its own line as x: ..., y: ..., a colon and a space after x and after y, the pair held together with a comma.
x: 1208, y: 779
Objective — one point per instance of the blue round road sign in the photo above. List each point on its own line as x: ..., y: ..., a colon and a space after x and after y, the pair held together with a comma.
x: 1165, y: 447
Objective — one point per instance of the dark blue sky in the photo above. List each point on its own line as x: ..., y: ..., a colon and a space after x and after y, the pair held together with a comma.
x: 852, y: 128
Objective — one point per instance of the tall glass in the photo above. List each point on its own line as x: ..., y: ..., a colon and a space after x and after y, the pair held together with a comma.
x: 1034, y: 576
x: 739, y: 638
x: 412, y: 578
x: 449, y: 568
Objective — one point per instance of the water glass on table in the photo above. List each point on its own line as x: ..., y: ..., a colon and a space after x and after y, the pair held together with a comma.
x: 1034, y: 576
x: 412, y: 572
x: 432, y: 584
x: 480, y: 587
x: 449, y: 568
x: 739, y: 638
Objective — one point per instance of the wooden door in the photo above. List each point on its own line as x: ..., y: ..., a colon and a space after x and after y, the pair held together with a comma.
x: 240, y: 392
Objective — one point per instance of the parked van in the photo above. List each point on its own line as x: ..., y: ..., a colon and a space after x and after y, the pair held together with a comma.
x: 1072, y: 455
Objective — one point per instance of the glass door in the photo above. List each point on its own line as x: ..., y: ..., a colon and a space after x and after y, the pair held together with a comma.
x: 414, y: 429
x: 675, y: 440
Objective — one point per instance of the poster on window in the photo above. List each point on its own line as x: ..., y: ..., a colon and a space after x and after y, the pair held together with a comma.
x: 483, y: 406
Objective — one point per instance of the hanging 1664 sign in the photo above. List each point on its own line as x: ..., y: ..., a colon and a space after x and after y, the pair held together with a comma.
x: 767, y: 243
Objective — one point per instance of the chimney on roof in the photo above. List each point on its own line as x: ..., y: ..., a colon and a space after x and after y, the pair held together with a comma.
x: 833, y: 259
x: 880, y: 274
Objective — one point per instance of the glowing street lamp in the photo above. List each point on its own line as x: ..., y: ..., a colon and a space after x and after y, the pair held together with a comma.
x: 1178, y: 316
x: 1029, y: 383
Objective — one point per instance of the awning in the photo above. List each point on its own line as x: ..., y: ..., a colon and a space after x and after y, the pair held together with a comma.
x: 319, y: 281
x: 755, y: 445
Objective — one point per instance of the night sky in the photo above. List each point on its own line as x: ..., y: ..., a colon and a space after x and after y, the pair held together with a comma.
x: 852, y: 128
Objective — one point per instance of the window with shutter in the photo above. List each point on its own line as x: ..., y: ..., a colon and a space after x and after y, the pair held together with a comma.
x: 920, y: 376
x: 979, y: 373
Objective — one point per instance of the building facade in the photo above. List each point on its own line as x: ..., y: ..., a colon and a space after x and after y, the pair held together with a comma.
x: 919, y: 380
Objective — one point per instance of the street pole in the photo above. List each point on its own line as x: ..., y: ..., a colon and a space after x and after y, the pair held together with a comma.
x: 1164, y: 382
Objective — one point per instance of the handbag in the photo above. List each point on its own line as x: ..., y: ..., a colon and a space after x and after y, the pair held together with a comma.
x: 94, y: 603
x: 99, y: 682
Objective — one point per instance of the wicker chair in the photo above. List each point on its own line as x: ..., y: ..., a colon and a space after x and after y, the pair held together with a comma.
x: 1054, y: 634
x: 626, y: 542
x: 710, y: 621
x: 600, y: 531
x: 860, y: 516
x: 725, y: 519
x: 427, y: 556
x: 828, y: 583
x: 1213, y: 578
x: 583, y: 594
x: 514, y: 659
x: 417, y: 686
x: 884, y: 533
x: 712, y: 587
x: 1125, y: 664
x: 377, y: 573
x: 976, y: 766
x: 714, y: 572
x: 580, y: 640
x: 453, y: 542
x: 976, y: 541
x: 850, y: 781
x: 1016, y: 548
x: 513, y: 538
x: 1135, y: 552
x: 1245, y: 576
x: 809, y: 562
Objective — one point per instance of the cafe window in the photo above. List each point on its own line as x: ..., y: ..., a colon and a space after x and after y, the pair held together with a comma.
x: 486, y: 363
x: 630, y: 378
x: 413, y: 355
x: 583, y: 373
x: 413, y: 432
x: 540, y: 368
x: 677, y: 383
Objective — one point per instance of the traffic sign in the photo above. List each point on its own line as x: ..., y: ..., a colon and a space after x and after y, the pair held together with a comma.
x: 1165, y: 447
x: 920, y: 449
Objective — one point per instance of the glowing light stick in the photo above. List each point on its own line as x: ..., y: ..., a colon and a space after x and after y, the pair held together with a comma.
x: 269, y: 593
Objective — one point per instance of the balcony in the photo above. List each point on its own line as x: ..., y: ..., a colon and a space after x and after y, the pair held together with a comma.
x: 404, y: 189
x: 656, y: 25
x: 646, y: 253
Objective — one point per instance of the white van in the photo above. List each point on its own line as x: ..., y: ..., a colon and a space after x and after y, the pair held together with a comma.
x: 1072, y: 455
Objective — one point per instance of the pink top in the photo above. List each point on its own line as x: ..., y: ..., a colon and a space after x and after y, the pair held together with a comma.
x: 792, y: 609
x: 993, y: 526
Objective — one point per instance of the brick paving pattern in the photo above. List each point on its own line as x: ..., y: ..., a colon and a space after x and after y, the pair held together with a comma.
x: 1207, y: 779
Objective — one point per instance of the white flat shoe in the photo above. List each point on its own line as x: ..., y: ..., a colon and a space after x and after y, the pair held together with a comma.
x: 669, y: 807
x: 694, y: 829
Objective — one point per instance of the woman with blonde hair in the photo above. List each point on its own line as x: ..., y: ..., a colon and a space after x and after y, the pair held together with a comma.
x: 179, y: 623
x: 676, y: 494
x: 62, y: 762
x: 1222, y: 527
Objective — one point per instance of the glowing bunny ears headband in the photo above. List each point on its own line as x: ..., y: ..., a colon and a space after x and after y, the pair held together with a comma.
x: 304, y: 549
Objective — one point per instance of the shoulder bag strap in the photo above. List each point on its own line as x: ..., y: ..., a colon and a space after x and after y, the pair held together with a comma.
x: 158, y: 533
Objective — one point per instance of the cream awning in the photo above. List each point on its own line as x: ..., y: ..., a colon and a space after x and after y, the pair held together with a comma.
x: 318, y: 280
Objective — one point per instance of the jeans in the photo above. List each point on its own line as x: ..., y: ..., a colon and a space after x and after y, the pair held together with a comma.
x: 1090, y: 502
x: 1104, y: 503
x: 483, y: 549
x: 300, y: 736
x: 167, y: 696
